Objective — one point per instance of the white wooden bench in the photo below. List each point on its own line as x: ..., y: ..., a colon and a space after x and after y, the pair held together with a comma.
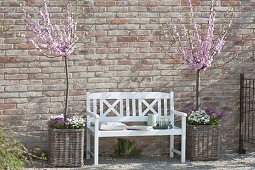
x: 132, y: 107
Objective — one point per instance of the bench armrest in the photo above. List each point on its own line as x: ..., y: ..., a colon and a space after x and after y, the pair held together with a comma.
x: 93, y: 118
x: 178, y: 113
x: 96, y: 116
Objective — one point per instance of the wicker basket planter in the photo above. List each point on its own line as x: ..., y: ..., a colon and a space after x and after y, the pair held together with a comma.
x: 66, y: 147
x: 203, y: 142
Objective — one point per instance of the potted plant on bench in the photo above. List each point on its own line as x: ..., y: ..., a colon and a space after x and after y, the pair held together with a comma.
x: 66, y: 134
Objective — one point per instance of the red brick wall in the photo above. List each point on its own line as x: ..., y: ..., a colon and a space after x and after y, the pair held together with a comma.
x: 121, y: 53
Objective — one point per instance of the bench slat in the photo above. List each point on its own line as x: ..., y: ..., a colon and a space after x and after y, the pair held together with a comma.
x: 140, y: 113
x: 95, y: 106
x: 127, y: 108
x: 101, y: 107
x: 165, y: 107
x: 128, y: 118
x: 130, y: 95
x: 154, y: 132
x: 133, y: 107
x: 121, y: 107
x: 159, y: 106
x: 140, y: 133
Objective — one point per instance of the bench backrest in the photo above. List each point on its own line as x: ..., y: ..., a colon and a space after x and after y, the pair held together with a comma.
x: 129, y: 106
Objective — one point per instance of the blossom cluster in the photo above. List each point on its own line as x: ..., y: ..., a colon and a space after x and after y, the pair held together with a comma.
x: 52, y: 39
x: 74, y: 122
x: 195, y: 47
x: 199, y: 118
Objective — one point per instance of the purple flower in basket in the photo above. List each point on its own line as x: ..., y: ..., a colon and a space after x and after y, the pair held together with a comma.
x: 215, y: 116
x: 57, y: 122
x: 221, y: 115
x: 209, y: 110
x: 218, y: 114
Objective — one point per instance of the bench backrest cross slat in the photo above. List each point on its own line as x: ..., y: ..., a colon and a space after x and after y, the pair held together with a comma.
x: 129, y: 106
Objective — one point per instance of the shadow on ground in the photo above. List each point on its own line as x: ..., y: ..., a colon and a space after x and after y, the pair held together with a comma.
x: 226, y: 161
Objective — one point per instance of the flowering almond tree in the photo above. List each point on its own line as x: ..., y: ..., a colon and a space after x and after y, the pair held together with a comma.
x: 198, y: 48
x: 53, y: 40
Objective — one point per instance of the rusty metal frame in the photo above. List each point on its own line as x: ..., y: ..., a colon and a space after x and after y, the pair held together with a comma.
x: 247, y: 112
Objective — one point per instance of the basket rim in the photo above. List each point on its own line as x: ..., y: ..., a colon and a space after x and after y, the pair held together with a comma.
x: 204, y: 125
x: 66, y: 130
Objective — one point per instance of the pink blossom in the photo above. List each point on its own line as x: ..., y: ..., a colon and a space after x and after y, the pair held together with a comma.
x: 58, y: 42
x: 198, y: 52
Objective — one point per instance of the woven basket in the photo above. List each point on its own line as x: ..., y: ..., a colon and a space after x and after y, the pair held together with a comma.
x: 203, y: 142
x: 66, y: 147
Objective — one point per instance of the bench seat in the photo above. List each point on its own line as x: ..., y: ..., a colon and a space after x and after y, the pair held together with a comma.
x: 153, y: 132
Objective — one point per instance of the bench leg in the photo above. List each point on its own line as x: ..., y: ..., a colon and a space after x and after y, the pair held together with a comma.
x: 88, y: 146
x: 96, y: 150
x: 183, y: 147
x: 171, y: 148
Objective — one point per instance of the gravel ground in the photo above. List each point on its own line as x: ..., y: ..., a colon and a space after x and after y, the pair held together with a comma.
x: 226, y: 161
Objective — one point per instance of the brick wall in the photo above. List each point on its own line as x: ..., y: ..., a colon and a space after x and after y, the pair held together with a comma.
x: 120, y: 53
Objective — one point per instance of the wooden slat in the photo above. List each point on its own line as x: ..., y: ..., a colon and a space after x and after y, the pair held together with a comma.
x: 140, y: 107
x: 171, y: 101
x: 171, y: 108
x: 128, y: 119
x: 101, y: 107
x: 165, y: 107
x: 121, y: 107
x: 136, y: 95
x: 125, y: 119
x: 155, y: 132
x: 159, y: 107
x: 133, y: 107
x: 127, y: 108
x: 94, y: 105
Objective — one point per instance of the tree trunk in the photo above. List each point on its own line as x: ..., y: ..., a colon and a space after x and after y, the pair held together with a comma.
x: 198, y: 102
x: 67, y: 88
